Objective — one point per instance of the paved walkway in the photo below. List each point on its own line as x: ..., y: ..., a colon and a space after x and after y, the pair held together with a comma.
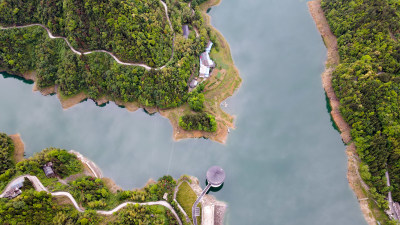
x: 104, y: 51
x: 40, y: 187
x: 390, y: 199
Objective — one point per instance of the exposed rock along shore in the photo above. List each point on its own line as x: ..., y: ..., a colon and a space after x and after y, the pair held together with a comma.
x: 333, y: 59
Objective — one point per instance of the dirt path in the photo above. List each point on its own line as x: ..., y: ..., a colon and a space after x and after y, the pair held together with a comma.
x: 333, y: 59
x: 103, y: 51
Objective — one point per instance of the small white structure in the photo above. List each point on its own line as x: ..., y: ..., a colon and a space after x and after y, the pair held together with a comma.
x: 193, y: 83
x: 205, y: 62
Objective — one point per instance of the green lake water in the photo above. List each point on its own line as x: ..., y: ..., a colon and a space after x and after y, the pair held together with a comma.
x: 285, y: 162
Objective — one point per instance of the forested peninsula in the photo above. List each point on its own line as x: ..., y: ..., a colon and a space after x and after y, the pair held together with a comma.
x: 59, y: 187
x: 366, y: 79
x: 131, y: 52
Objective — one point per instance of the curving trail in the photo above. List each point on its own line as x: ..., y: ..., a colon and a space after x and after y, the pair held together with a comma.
x: 104, y: 51
x: 40, y: 187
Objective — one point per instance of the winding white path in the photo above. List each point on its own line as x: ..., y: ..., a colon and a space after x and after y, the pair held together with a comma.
x: 104, y: 51
x: 40, y: 187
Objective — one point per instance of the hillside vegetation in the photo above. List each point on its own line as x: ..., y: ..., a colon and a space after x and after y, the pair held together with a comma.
x: 33, y: 207
x: 6, y: 153
x: 135, y: 31
x: 367, y: 82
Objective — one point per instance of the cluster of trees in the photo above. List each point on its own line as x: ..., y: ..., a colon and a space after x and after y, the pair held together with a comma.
x: 34, y: 207
x: 6, y: 153
x: 136, y: 31
x: 97, y: 74
x: 196, y: 98
x: 200, y: 121
x: 367, y: 82
x: 136, y: 214
x: 30, y: 208
x: 152, y: 192
x: 91, y: 192
x: 64, y: 165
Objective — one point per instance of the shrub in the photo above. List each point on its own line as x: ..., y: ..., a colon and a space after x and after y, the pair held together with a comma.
x: 202, y: 122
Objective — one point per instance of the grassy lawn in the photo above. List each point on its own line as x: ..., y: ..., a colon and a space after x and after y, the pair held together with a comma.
x: 186, y: 198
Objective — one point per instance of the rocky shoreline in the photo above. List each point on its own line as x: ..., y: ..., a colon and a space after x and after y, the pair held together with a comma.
x: 355, y: 180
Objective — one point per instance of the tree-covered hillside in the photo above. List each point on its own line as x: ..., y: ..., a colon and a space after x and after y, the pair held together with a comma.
x: 367, y: 82
x: 6, y: 153
x: 134, y: 30
x: 33, y: 207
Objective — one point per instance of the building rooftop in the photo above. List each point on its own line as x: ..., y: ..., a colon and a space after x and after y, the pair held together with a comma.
x: 193, y: 83
x: 185, y: 29
x: 215, y: 176
x: 48, y: 170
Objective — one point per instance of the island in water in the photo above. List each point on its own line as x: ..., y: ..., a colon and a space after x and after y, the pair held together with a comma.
x: 56, y: 186
x: 162, y: 56
x: 362, y: 84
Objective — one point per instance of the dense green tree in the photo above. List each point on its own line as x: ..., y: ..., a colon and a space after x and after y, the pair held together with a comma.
x: 200, y: 121
x: 147, y: 39
x: 196, y: 102
x: 367, y: 82
x: 6, y: 153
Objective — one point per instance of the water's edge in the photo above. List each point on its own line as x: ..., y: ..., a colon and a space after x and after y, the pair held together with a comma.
x: 224, y: 120
x: 91, y: 169
x: 355, y: 180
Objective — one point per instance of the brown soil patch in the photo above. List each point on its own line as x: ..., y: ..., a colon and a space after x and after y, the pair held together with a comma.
x: 19, y: 148
x: 353, y: 176
x: 102, y: 100
x: 331, y: 62
x: 62, y: 200
x: 71, y: 101
x: 111, y: 185
x: 357, y: 184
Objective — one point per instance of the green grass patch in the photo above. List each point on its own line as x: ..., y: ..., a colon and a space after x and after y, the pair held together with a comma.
x: 186, y: 198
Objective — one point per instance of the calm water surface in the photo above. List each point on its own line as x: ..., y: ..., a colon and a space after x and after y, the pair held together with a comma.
x: 285, y: 163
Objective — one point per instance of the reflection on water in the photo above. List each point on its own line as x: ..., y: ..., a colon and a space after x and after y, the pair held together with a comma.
x: 6, y: 75
x: 214, y: 189
x: 329, y: 109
